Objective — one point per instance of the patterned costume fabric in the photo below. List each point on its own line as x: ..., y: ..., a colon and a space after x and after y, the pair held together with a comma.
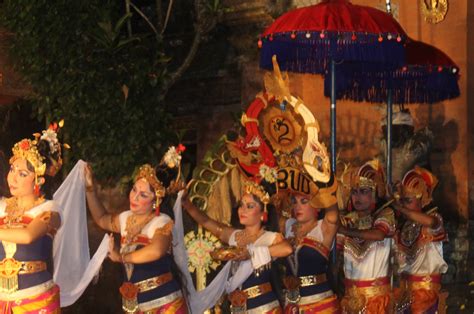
x: 265, y: 301
x: 309, y: 264
x: 420, y: 258
x: 34, y: 290
x: 366, y: 264
x: 159, y: 292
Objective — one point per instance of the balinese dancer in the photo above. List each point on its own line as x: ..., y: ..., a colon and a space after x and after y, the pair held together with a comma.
x: 28, y: 223
x: 253, y: 242
x: 145, y: 252
x: 366, y: 240
x: 304, y: 175
x: 308, y: 289
x: 419, y: 243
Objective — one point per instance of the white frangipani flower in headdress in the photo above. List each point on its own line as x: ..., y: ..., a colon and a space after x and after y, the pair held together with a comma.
x: 51, y: 136
x: 172, y: 157
x: 269, y: 174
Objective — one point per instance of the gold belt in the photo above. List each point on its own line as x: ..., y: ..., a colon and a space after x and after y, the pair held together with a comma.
x: 154, y: 282
x: 428, y: 285
x: 369, y: 292
x: 312, y: 280
x: 256, y: 291
x: 10, y: 268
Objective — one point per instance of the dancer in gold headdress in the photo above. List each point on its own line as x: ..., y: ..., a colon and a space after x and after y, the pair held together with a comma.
x: 366, y: 240
x: 419, y: 243
x: 28, y: 224
x: 145, y: 252
x: 253, y: 242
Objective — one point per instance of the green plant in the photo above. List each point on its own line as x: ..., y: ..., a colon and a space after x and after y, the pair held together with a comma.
x: 85, y: 65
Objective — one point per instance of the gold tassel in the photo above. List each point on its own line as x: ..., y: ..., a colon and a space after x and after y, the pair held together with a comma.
x: 9, y: 275
x: 9, y: 284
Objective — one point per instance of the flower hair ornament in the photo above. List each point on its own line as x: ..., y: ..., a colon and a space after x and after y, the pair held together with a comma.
x: 172, y: 159
x: 148, y: 173
x: 269, y: 174
x: 28, y: 149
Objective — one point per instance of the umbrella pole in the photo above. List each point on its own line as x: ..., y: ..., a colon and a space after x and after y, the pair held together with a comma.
x: 389, y: 164
x: 333, y: 137
x: 389, y: 136
x: 333, y: 117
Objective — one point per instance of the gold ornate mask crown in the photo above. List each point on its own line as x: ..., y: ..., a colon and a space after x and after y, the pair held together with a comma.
x: 147, y: 172
x: 369, y: 175
x: 417, y: 182
x: 27, y: 149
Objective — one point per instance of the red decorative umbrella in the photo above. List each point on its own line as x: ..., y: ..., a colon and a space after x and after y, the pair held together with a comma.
x: 429, y: 76
x: 313, y: 39
x: 305, y: 40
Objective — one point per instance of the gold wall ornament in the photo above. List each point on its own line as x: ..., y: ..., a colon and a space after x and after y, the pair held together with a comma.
x: 434, y: 11
x: 281, y: 129
x: 199, y: 246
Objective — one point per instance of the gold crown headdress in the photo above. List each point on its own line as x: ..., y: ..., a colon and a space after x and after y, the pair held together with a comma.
x: 258, y: 190
x: 369, y: 175
x: 28, y: 149
x: 417, y: 182
x: 148, y: 173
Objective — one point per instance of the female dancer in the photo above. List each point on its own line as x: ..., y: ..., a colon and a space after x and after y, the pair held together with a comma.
x: 28, y: 224
x: 145, y: 251
x: 255, y: 243
x: 305, y: 173
x: 308, y: 289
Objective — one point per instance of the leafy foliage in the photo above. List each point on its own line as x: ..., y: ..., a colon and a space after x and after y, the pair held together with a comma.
x: 83, y: 67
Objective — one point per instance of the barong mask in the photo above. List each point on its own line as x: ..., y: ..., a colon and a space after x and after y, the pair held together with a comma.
x: 284, y: 133
x: 419, y: 183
